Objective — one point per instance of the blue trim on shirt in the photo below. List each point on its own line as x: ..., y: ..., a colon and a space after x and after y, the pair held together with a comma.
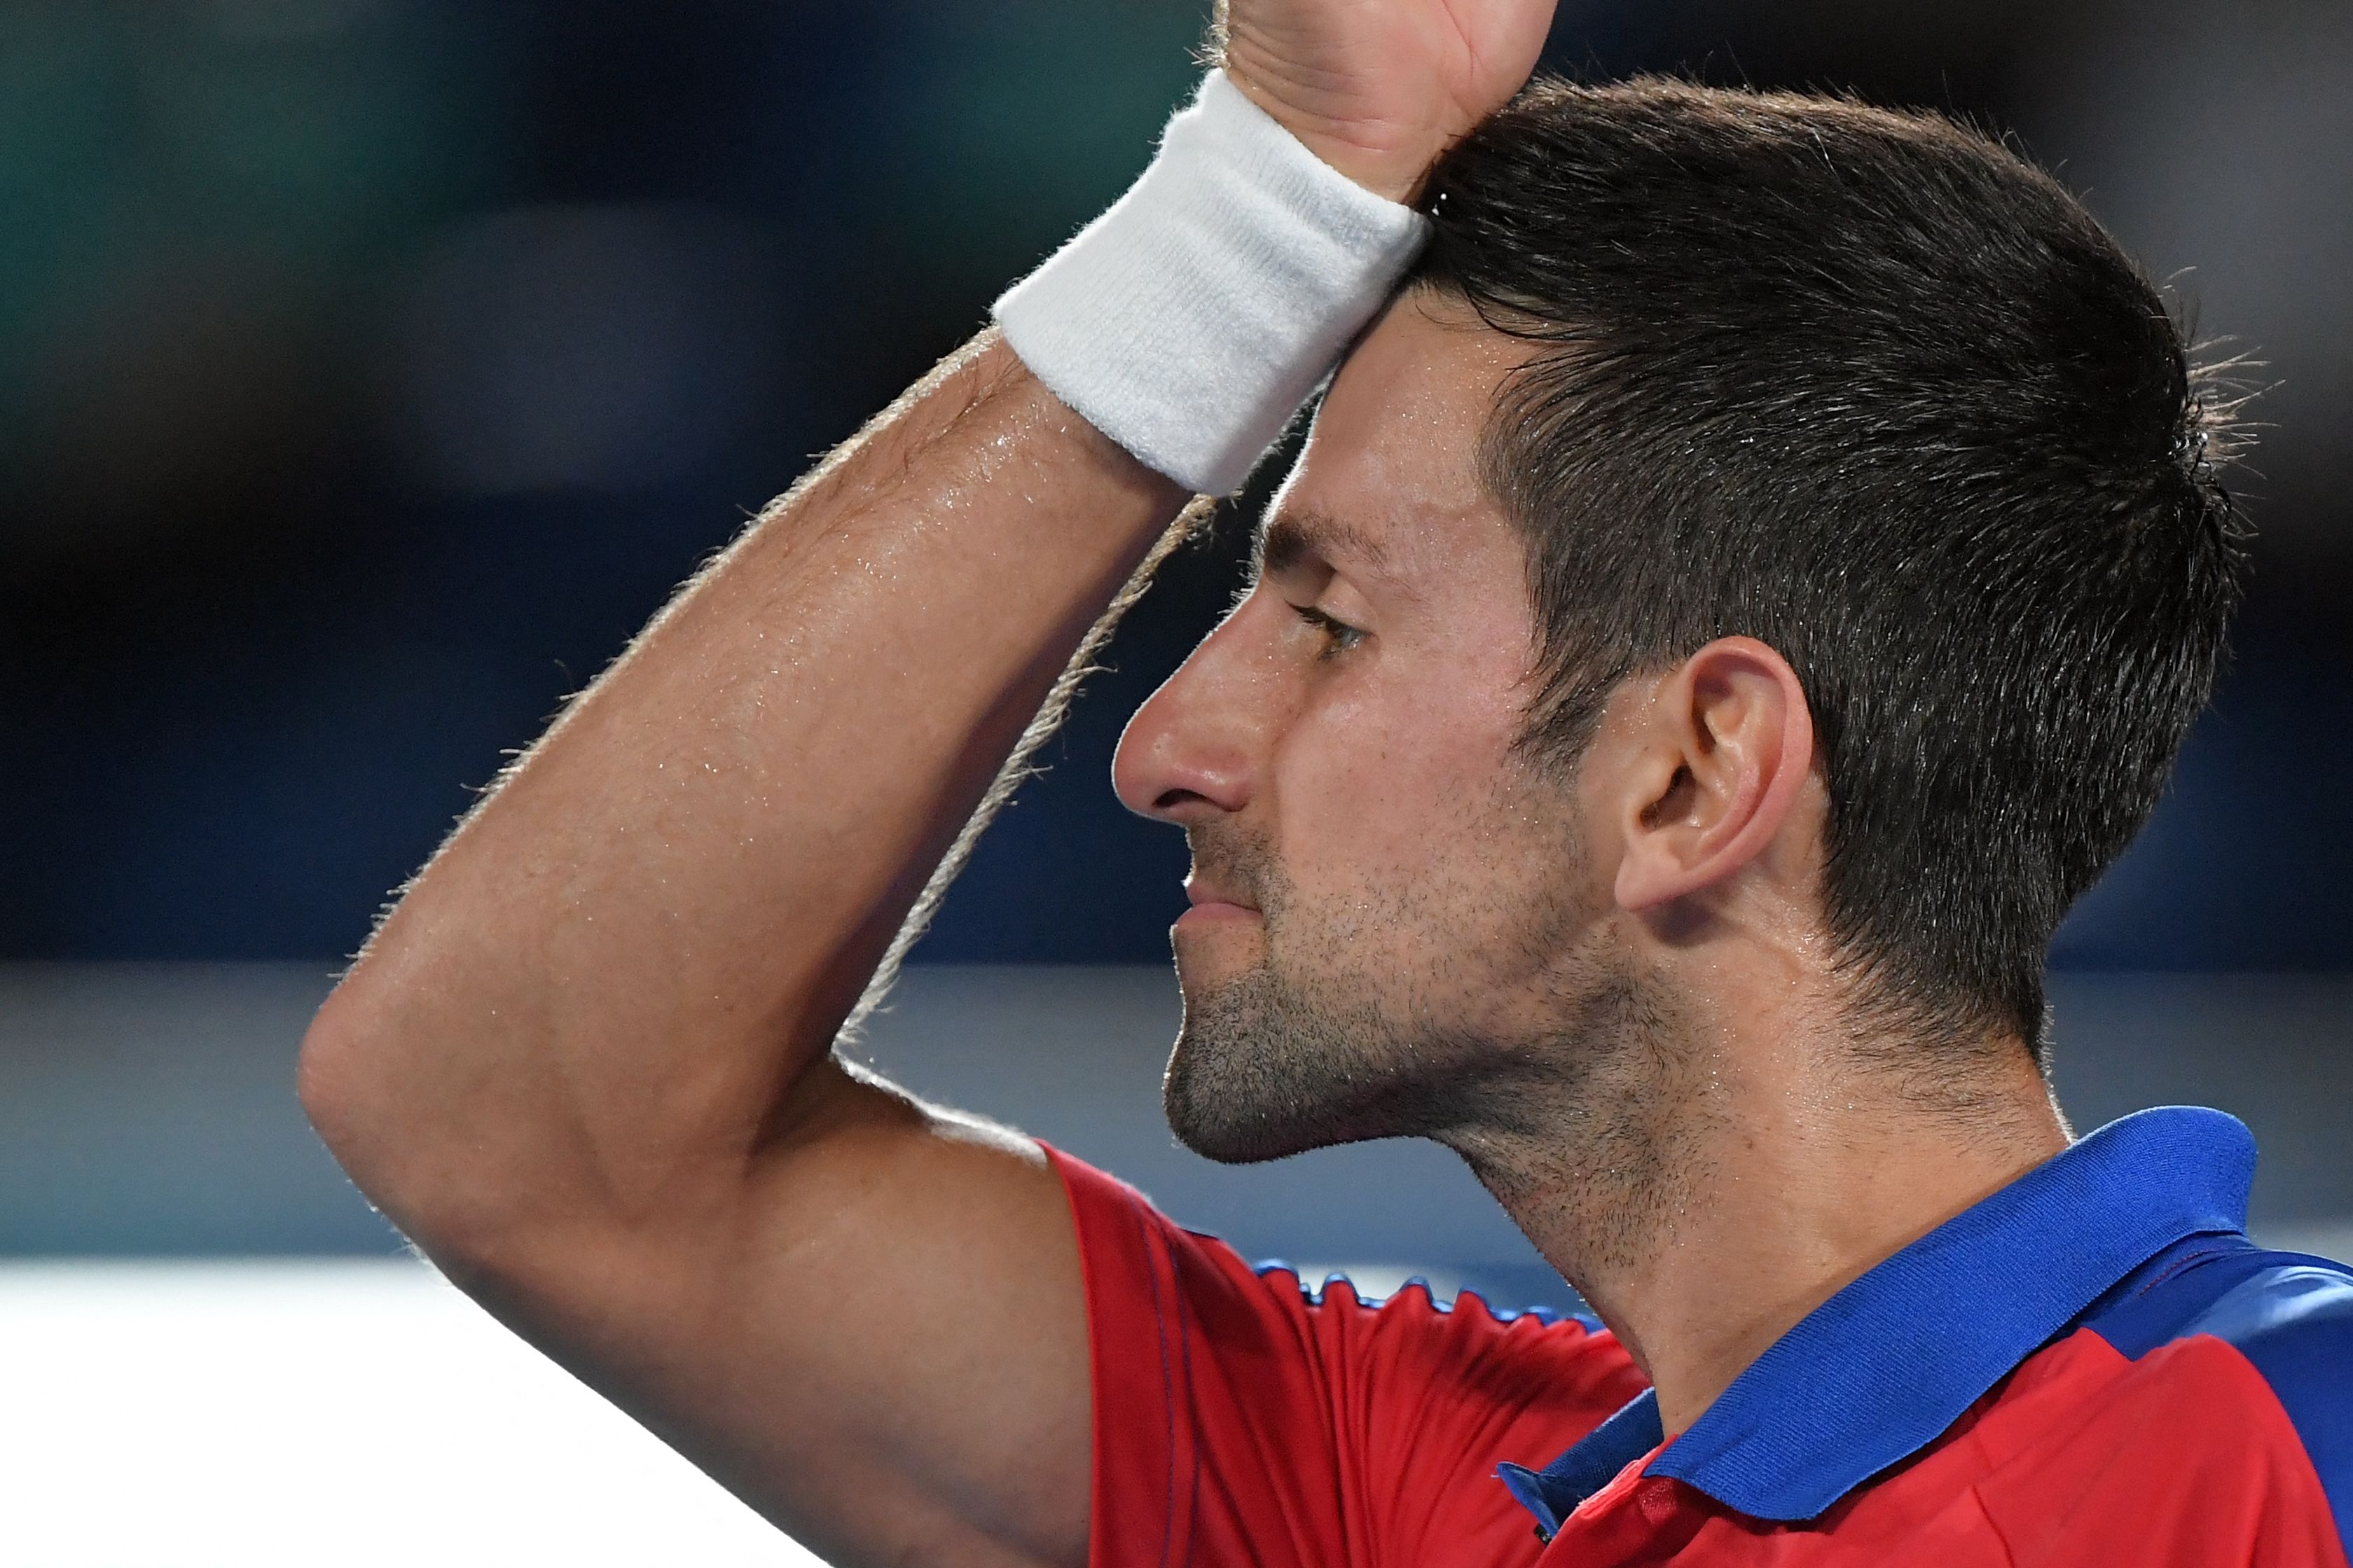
x: 2295, y: 1323
x: 1880, y: 1370
x: 1314, y: 1295
x: 2157, y: 1302
x: 1553, y: 1493
x: 2290, y: 1315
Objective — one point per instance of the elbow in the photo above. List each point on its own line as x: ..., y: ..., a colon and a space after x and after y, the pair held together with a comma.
x: 359, y: 1081
x: 415, y: 1120
x: 332, y: 1081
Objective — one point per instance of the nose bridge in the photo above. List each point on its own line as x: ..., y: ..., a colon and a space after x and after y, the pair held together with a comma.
x: 1205, y: 732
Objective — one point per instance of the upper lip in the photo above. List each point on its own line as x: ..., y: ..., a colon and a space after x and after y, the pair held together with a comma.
x: 1199, y: 890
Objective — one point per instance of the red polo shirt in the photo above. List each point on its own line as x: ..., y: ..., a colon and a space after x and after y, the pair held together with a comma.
x: 2094, y: 1365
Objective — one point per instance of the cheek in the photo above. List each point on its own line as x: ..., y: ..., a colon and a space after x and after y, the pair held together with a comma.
x: 1383, y: 788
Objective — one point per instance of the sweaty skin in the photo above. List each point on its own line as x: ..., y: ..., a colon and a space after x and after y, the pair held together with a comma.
x: 1611, y: 992
x: 583, y: 1063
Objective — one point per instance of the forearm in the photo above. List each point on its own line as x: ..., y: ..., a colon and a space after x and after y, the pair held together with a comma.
x: 605, y: 985
x: 584, y: 1062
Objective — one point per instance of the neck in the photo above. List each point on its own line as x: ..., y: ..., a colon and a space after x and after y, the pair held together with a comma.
x: 1706, y: 1185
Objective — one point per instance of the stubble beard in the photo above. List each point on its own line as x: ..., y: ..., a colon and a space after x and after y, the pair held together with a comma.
x: 1329, y: 1037
x: 1264, y: 1068
x: 1555, y: 1065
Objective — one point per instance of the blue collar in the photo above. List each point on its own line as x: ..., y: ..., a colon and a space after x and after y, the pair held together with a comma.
x: 1877, y: 1371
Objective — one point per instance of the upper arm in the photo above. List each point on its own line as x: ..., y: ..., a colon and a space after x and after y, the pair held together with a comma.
x: 581, y: 1062
x: 880, y: 1342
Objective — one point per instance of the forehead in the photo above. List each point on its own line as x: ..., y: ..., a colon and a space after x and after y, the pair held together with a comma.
x: 1390, y: 477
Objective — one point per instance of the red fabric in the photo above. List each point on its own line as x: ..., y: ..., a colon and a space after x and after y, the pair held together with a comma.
x: 2182, y: 1459
x: 1236, y: 1422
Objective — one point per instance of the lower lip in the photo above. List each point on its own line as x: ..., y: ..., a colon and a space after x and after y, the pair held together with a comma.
x: 1214, y: 914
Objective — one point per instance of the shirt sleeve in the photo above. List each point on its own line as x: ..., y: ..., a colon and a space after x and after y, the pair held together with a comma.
x: 1240, y: 1420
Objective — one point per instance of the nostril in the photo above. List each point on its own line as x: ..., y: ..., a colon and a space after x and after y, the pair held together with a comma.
x: 1172, y: 799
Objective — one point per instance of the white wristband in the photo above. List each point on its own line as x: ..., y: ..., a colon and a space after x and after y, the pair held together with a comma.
x: 1190, y: 320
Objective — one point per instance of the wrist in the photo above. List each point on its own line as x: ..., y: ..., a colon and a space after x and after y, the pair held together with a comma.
x: 1189, y: 321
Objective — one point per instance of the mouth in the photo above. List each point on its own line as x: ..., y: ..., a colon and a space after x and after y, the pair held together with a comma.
x: 1201, y: 891
x: 1211, y: 902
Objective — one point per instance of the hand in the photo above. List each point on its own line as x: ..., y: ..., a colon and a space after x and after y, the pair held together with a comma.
x: 1378, y: 89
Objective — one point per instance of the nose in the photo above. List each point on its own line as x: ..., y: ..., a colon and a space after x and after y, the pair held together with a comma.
x: 1194, y: 750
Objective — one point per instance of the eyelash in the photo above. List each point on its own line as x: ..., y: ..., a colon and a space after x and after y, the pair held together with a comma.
x: 1338, y: 634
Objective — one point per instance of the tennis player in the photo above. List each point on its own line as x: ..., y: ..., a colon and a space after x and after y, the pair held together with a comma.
x: 1750, y: 573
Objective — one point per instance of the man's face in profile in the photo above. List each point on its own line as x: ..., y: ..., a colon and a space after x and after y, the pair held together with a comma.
x: 1392, y: 903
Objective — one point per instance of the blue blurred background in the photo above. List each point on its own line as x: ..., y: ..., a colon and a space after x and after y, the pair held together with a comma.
x: 371, y: 369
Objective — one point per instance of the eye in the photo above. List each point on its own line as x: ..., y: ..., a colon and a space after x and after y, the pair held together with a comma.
x: 1339, y: 637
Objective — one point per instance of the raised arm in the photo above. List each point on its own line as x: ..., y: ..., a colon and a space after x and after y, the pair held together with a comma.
x: 585, y: 1063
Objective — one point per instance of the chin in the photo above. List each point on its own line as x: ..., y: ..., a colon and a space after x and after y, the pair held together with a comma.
x: 1218, y: 1128
x: 1248, y: 1118
x: 1209, y: 956
x: 1258, y: 1074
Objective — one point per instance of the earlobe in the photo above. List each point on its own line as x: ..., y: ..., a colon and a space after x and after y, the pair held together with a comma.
x: 1721, y: 756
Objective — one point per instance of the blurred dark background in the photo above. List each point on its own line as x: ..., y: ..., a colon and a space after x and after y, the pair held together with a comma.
x: 371, y: 369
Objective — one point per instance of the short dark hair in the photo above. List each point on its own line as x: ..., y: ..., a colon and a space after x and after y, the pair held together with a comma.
x: 1870, y: 387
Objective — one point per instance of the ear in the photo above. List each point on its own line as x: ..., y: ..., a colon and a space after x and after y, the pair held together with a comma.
x: 1715, y: 762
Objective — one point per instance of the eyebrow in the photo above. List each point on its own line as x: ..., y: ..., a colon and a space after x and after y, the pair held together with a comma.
x: 1290, y: 537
